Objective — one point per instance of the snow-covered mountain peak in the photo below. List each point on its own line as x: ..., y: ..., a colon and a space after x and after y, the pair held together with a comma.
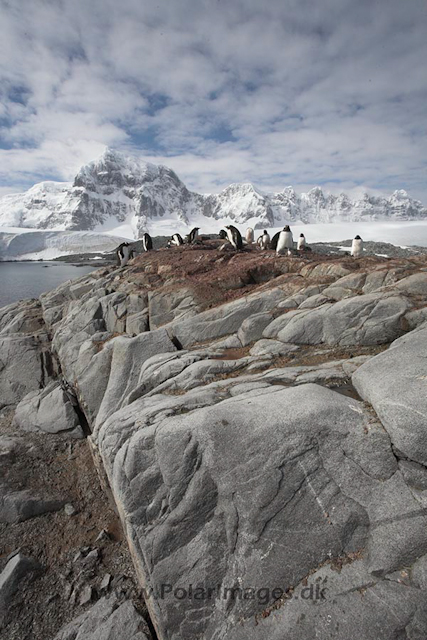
x: 115, y: 169
x: 241, y: 188
x: 115, y: 191
x: 400, y: 194
x: 315, y: 195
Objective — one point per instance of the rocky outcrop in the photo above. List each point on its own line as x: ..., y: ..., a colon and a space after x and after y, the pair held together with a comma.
x: 18, y: 568
x: 165, y: 306
x: 48, y: 410
x: 363, y: 320
x: 107, y: 619
x: 17, y: 506
x: 25, y: 358
x: 395, y: 384
x: 224, y: 320
x: 240, y: 488
x: 264, y: 446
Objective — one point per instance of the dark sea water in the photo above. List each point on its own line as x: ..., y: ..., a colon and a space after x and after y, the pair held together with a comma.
x: 21, y: 280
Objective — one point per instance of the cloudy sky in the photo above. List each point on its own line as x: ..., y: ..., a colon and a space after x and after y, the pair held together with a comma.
x: 286, y: 92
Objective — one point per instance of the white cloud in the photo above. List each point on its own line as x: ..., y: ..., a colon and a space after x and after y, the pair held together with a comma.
x: 293, y: 92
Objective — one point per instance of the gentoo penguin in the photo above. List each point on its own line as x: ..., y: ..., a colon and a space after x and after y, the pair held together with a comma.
x: 176, y: 240
x: 124, y: 253
x: 222, y: 234
x: 264, y: 240
x: 286, y: 242
x: 301, y: 242
x: 192, y: 236
x: 147, y: 242
x: 357, y: 247
x: 249, y: 235
x: 234, y: 237
x: 274, y: 240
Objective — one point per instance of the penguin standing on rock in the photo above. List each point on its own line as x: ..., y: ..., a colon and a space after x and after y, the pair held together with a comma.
x: 124, y: 253
x: 234, y: 237
x: 176, y: 240
x: 264, y: 240
x: 147, y: 242
x: 301, y: 242
x: 286, y: 242
x: 192, y: 236
x: 357, y: 247
x: 223, y: 234
x: 249, y: 235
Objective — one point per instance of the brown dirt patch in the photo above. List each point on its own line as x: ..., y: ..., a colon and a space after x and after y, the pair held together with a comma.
x: 49, y: 465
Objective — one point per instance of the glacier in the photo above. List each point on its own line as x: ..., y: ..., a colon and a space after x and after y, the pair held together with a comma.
x: 26, y: 244
x: 126, y: 196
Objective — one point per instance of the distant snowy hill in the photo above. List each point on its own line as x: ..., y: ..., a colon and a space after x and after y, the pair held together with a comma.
x: 20, y: 244
x: 126, y: 196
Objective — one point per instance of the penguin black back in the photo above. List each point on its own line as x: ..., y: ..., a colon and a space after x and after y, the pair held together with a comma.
x: 274, y: 241
x: 235, y: 237
x: 192, y: 236
x: 147, y: 242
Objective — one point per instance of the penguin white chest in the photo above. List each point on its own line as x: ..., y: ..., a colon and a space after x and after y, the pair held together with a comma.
x: 357, y: 248
x: 285, y: 242
x: 124, y: 259
x: 231, y: 238
x: 265, y: 242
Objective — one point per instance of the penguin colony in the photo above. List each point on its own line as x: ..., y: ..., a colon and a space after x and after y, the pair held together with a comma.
x: 282, y: 242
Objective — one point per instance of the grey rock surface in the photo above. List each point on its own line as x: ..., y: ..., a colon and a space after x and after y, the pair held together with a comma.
x: 100, y: 310
x: 17, y: 506
x: 354, y: 605
x: 258, y: 494
x: 15, y: 570
x: 251, y: 328
x: 363, y: 320
x: 415, y: 474
x: 413, y: 285
x: 223, y: 320
x: 234, y: 471
x: 165, y: 306
x: 128, y: 357
x: 137, y: 323
x: 419, y: 573
x: 395, y: 383
x: 416, y: 318
x: 272, y: 347
x: 314, y: 301
x: 107, y: 620
x: 10, y: 445
x: 48, y: 410
x: 379, y: 278
x: 21, y: 317
x: 25, y: 359
x: 333, y: 271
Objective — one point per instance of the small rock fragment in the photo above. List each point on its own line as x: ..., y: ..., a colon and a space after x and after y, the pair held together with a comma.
x: 70, y: 509
x: 105, y: 582
x: 86, y: 595
x: 103, y: 536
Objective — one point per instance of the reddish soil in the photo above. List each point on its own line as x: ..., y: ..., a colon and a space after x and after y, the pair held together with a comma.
x: 220, y: 276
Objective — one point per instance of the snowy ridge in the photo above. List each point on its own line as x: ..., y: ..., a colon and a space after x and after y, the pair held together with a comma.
x: 129, y: 196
